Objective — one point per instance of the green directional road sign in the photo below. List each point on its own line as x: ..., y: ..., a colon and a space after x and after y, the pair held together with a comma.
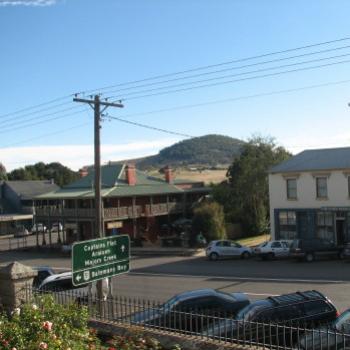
x: 100, y: 258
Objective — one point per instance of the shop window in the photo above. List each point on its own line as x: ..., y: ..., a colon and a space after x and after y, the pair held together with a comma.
x: 325, y: 226
x: 287, y: 222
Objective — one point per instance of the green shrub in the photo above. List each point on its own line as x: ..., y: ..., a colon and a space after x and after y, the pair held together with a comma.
x: 45, y: 324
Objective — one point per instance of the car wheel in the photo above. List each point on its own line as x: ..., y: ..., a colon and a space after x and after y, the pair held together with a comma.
x: 270, y: 256
x: 245, y: 255
x: 309, y: 257
x: 214, y: 256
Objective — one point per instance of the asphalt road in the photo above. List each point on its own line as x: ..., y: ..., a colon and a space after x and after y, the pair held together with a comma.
x: 159, y: 278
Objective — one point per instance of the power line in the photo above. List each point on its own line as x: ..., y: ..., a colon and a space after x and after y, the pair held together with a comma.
x: 178, y: 73
x: 45, y: 135
x: 19, y: 122
x: 35, y: 112
x: 246, y: 97
x: 239, y: 98
x: 221, y: 64
x: 234, y: 68
x: 235, y: 80
x: 40, y: 122
x: 35, y: 106
x: 150, y: 127
x: 7, y: 123
x: 206, y: 73
x: 231, y: 75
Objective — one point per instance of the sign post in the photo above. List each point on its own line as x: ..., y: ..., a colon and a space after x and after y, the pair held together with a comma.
x: 100, y: 258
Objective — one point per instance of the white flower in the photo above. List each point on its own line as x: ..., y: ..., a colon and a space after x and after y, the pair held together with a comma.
x: 35, y: 307
x: 16, y: 311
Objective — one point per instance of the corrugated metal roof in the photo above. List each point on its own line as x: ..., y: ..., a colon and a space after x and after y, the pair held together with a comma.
x: 316, y: 160
x: 113, y: 175
x: 31, y: 188
x: 109, y: 177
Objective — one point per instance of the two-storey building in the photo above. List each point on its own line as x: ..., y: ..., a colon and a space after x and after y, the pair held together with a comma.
x: 17, y: 202
x: 310, y: 196
x: 133, y: 203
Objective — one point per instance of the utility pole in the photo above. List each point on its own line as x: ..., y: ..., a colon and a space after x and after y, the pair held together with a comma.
x: 96, y: 104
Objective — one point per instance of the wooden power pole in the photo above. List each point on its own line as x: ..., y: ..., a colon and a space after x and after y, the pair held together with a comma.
x: 96, y: 104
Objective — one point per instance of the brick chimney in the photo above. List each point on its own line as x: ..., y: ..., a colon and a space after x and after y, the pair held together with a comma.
x: 130, y: 174
x: 83, y: 171
x: 169, y: 175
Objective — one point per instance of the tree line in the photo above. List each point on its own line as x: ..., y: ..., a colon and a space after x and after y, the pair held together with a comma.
x: 244, y: 196
x: 61, y: 174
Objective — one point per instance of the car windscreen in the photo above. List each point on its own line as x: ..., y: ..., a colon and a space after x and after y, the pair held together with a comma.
x: 171, y: 303
x: 295, y: 244
x: 249, y: 311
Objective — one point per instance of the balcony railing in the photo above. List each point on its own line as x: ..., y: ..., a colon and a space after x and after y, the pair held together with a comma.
x: 112, y: 213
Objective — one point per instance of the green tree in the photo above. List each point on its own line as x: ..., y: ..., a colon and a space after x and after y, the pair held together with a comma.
x: 245, y: 194
x: 209, y: 219
x: 3, y: 175
x: 41, y: 171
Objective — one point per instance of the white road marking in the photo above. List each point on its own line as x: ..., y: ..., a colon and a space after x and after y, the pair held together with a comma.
x: 262, y: 294
x: 237, y: 278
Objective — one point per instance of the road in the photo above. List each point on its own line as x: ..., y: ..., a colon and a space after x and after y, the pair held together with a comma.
x: 159, y: 278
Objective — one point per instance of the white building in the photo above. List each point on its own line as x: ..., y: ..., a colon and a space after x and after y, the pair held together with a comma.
x: 310, y: 196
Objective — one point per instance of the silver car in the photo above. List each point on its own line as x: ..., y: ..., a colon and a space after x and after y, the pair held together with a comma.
x: 226, y: 249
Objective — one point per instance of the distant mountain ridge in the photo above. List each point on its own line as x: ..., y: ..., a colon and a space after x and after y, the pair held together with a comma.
x: 208, y: 150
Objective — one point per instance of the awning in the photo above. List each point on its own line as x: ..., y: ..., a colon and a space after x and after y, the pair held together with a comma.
x: 15, y: 217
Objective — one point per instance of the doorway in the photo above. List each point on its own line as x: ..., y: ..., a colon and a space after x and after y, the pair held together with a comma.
x: 339, y: 226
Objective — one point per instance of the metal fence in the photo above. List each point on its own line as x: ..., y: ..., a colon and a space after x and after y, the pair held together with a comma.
x: 18, y: 242
x: 210, y: 325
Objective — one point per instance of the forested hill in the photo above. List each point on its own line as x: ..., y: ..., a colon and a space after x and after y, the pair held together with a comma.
x: 40, y: 171
x: 208, y: 150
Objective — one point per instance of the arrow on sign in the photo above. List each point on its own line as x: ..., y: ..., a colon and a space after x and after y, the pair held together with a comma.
x: 123, y: 248
x: 78, y: 278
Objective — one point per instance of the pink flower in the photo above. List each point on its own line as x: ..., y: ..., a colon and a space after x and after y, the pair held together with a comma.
x: 42, y: 345
x: 14, y: 349
x: 47, y: 325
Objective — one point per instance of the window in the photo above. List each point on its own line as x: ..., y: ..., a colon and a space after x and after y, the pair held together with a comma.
x: 321, y: 187
x: 288, y: 227
x: 276, y: 245
x: 292, y: 188
x: 316, y: 307
x: 325, y: 228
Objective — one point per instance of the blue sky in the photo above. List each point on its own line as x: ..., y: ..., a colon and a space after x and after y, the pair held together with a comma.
x: 53, y: 48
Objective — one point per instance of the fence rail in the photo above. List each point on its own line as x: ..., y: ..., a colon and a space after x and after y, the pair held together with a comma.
x: 213, y: 325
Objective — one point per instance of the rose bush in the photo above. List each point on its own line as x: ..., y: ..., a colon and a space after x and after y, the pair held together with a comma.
x: 47, y: 325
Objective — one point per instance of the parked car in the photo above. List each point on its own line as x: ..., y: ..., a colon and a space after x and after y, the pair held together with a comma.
x: 304, y: 309
x: 39, y: 227
x: 335, y: 336
x: 225, y: 249
x: 272, y: 249
x: 21, y: 231
x: 57, y: 282
x: 310, y: 249
x: 345, y: 253
x: 56, y: 226
x: 184, y: 310
x: 43, y: 273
